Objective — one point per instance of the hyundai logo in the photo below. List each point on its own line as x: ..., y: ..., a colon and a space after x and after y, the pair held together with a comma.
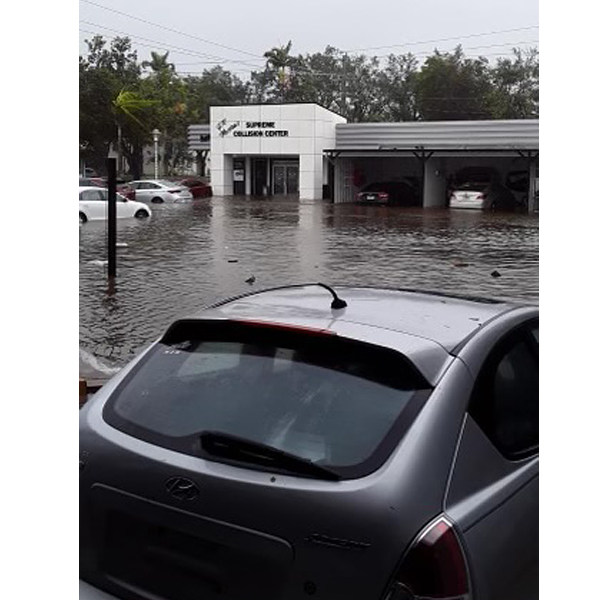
x: 182, y: 488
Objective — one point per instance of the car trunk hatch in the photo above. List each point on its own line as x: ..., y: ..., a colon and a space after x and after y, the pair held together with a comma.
x: 155, y: 550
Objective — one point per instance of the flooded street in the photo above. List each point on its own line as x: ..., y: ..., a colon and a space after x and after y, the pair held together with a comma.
x: 188, y: 256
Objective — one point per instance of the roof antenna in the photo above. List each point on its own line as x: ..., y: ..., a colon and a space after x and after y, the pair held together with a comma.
x: 336, y: 302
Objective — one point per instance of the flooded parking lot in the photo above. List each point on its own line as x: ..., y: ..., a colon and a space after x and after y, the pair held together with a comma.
x: 188, y: 256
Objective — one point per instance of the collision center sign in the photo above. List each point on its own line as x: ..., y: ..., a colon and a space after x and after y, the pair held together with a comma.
x: 250, y: 129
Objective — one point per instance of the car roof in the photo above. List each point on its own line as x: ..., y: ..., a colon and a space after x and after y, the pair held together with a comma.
x: 425, y: 326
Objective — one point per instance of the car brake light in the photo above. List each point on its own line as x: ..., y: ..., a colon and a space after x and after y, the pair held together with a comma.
x: 434, y: 567
x: 175, y: 191
x: 481, y: 197
x: 383, y: 196
x: 284, y: 326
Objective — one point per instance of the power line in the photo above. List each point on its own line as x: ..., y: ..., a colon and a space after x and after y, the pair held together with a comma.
x: 163, y: 45
x: 334, y: 75
x: 344, y: 51
x: 461, y: 37
x: 426, y: 53
x: 307, y: 70
x: 194, y: 37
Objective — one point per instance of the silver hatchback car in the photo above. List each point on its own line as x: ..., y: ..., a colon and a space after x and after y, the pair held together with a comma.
x: 281, y: 445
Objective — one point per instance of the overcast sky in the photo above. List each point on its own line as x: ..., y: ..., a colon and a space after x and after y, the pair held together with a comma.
x: 244, y: 29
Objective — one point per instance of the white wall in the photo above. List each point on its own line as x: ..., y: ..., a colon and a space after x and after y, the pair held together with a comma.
x: 311, y: 129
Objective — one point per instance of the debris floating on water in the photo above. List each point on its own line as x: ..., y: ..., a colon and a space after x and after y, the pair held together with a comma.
x: 459, y: 263
x: 121, y: 245
x: 251, y: 279
x: 232, y: 260
x: 98, y: 263
x: 495, y: 273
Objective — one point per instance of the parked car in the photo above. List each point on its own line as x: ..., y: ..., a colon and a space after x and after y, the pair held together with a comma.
x: 390, y: 192
x: 159, y: 191
x: 480, y: 189
x: 93, y: 205
x: 121, y: 188
x: 198, y: 188
x: 383, y: 445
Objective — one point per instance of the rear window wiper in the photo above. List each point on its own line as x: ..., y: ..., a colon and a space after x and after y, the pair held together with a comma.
x: 225, y: 445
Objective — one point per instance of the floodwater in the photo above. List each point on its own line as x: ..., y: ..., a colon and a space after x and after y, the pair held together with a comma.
x: 191, y: 255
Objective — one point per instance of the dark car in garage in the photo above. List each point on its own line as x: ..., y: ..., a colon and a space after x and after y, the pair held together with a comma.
x: 402, y: 193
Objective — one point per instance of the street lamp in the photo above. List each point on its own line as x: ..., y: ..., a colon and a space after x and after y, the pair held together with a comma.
x: 155, y: 134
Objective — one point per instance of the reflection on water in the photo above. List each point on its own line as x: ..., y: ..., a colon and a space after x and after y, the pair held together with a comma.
x: 188, y: 256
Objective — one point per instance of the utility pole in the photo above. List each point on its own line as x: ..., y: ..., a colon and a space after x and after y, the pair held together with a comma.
x: 111, y: 218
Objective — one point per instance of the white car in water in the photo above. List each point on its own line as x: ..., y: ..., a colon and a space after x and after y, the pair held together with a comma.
x: 93, y: 205
x: 158, y: 191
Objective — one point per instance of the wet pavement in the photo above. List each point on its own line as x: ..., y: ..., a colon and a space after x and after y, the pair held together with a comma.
x: 188, y: 256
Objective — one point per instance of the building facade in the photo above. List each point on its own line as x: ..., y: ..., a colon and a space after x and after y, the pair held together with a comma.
x: 307, y: 151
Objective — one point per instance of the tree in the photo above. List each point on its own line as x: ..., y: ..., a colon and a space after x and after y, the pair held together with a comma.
x: 104, y: 73
x: 280, y: 61
x: 127, y: 105
x: 451, y: 87
x: 215, y: 86
x: 398, y: 83
x: 516, y: 86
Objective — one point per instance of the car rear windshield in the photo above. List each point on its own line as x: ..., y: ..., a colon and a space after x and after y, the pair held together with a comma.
x: 336, y: 402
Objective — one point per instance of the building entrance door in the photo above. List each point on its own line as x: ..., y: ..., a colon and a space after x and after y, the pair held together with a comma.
x: 286, y: 177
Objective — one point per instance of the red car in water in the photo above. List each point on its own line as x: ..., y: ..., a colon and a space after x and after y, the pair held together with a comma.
x: 199, y: 189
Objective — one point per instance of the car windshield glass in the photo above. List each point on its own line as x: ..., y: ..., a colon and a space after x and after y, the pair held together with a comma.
x: 336, y: 403
x: 473, y: 185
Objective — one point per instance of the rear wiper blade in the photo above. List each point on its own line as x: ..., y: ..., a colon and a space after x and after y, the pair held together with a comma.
x: 244, y: 450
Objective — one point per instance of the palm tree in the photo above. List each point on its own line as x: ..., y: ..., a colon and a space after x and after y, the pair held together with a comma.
x: 280, y: 59
x: 127, y: 104
x: 158, y: 63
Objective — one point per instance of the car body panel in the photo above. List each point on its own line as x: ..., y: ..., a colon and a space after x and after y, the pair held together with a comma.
x: 198, y: 188
x: 443, y: 319
x: 495, y: 504
x: 148, y: 190
x: 337, y: 539
x: 294, y: 508
x: 473, y: 199
x: 121, y: 188
x: 95, y: 207
x: 495, y: 500
x: 398, y: 191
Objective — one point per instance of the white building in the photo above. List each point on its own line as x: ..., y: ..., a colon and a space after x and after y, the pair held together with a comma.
x: 306, y: 150
x: 271, y: 149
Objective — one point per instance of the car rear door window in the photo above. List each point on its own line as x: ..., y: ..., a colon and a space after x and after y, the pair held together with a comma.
x: 338, y: 403
x: 92, y: 195
x: 506, y: 400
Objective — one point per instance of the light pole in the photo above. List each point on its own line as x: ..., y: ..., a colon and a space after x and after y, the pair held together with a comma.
x: 155, y: 134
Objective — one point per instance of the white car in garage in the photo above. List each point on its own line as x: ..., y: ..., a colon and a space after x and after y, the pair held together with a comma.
x: 93, y: 206
x: 158, y: 191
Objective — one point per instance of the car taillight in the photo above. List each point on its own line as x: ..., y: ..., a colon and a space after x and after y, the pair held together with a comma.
x: 434, y: 567
x: 481, y: 197
x: 383, y: 196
